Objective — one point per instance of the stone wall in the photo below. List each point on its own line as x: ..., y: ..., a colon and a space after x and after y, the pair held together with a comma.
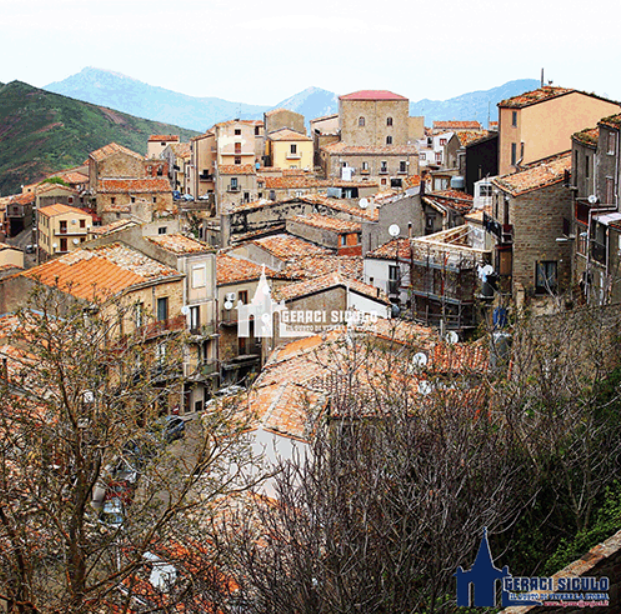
x: 376, y: 128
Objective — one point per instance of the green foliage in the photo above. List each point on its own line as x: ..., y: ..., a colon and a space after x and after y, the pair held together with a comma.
x: 56, y: 180
x: 42, y: 132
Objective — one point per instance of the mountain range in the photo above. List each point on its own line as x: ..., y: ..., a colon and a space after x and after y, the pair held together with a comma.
x: 117, y: 91
x: 42, y: 132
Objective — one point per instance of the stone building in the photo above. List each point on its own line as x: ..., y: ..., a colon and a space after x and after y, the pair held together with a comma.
x: 157, y: 143
x: 61, y: 229
x: 277, y: 119
x: 531, y: 209
x: 539, y: 124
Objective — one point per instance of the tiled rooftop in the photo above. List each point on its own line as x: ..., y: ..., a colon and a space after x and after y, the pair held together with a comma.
x: 285, y: 246
x: 179, y: 244
x: 59, y: 209
x: 236, y: 169
x: 547, y: 92
x: 306, y: 267
x: 230, y: 270
x: 457, y: 125
x: 326, y: 222
x: 102, y: 231
x: 589, y: 136
x: 285, y: 134
x: 325, y: 282
x: 535, y: 177
x: 613, y: 121
x: 113, y: 148
x: 100, y: 272
x: 72, y: 177
x: 164, y: 137
x: 467, y: 137
x: 372, y: 95
x: 397, y: 248
x: 134, y: 186
x: 44, y: 188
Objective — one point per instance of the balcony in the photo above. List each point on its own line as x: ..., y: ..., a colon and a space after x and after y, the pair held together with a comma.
x: 206, y: 177
x: 205, y: 330
x: 203, y: 370
x: 164, y: 327
x: 294, y: 156
x: 229, y: 317
x: 233, y: 188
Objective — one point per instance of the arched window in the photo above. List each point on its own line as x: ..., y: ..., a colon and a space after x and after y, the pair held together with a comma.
x: 389, y: 121
x: 361, y: 121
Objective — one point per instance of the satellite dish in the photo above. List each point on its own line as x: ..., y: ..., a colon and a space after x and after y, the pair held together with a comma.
x: 424, y: 388
x: 488, y: 269
x: 54, y: 245
x: 228, y: 305
x: 451, y: 337
x: 76, y: 241
x: 364, y: 203
x: 88, y: 396
x: 592, y: 199
x: 419, y: 360
x: 185, y: 310
x: 394, y: 230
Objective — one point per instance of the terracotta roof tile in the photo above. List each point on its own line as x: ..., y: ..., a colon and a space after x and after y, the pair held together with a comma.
x: 535, y: 177
x: 179, y: 244
x: 319, y: 284
x: 306, y: 267
x: 327, y: 223
x: 397, y: 248
x: 372, y: 95
x: 113, y: 148
x: 164, y: 137
x: 134, y: 186
x: 72, y: 177
x: 236, y: 169
x: 457, y: 125
x: 100, y: 272
x: 542, y: 94
x: 467, y: 137
x: 453, y: 199
x: 613, y: 121
x: 589, y: 136
x: 285, y: 246
x: 230, y: 270
x: 59, y: 209
x: 285, y: 134
x: 112, y: 227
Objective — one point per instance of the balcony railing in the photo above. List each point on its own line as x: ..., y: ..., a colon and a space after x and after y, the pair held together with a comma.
x: 205, y: 330
x: 232, y: 188
x: 204, y: 369
x: 161, y: 327
x: 229, y: 316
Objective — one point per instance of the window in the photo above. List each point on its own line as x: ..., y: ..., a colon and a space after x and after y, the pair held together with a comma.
x: 343, y: 240
x: 361, y: 121
x: 438, y: 157
x: 513, y: 153
x: 442, y: 142
x: 237, y: 131
x: 612, y: 142
x: 199, y: 276
x: 422, y: 156
x: 82, y: 223
x: 485, y: 190
x: 237, y: 159
x: 388, y: 140
x: 610, y: 191
x: 161, y: 230
x: 587, y: 166
x: 233, y: 183
x: 246, y: 197
x: 514, y: 119
x: 242, y: 295
x: 257, y: 130
x: 237, y: 148
x: 294, y: 148
x: 383, y: 166
x: 365, y: 166
x: 195, y: 317
x: 113, y: 201
x: 389, y: 121
x: 403, y: 166
x: 139, y: 315
x: 133, y: 199
x: 70, y: 200
x: 393, y: 279
x: 63, y: 244
x: 545, y: 277
x: 154, y: 200
x: 162, y: 308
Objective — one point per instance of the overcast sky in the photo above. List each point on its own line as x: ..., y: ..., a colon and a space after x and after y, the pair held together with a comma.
x: 263, y: 52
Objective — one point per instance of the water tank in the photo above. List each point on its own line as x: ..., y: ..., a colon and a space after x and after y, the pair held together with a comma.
x: 458, y: 183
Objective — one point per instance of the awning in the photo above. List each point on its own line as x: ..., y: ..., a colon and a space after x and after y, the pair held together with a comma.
x: 607, y: 218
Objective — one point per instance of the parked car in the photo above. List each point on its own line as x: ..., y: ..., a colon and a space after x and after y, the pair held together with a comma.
x: 31, y: 249
x: 187, y: 197
x: 176, y: 195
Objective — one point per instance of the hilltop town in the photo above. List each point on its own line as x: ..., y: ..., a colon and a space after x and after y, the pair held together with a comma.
x: 439, y: 295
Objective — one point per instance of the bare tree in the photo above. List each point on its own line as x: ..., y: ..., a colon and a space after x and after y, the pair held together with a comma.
x: 80, y: 409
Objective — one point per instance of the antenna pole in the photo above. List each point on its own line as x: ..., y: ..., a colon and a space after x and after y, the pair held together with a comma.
x: 542, y: 80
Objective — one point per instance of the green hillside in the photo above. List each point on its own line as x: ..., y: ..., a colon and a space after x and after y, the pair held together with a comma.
x: 42, y: 132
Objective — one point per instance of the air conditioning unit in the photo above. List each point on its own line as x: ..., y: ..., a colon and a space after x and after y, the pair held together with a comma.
x: 230, y: 296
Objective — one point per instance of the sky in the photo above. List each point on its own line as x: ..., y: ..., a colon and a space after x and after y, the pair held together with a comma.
x: 263, y: 52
